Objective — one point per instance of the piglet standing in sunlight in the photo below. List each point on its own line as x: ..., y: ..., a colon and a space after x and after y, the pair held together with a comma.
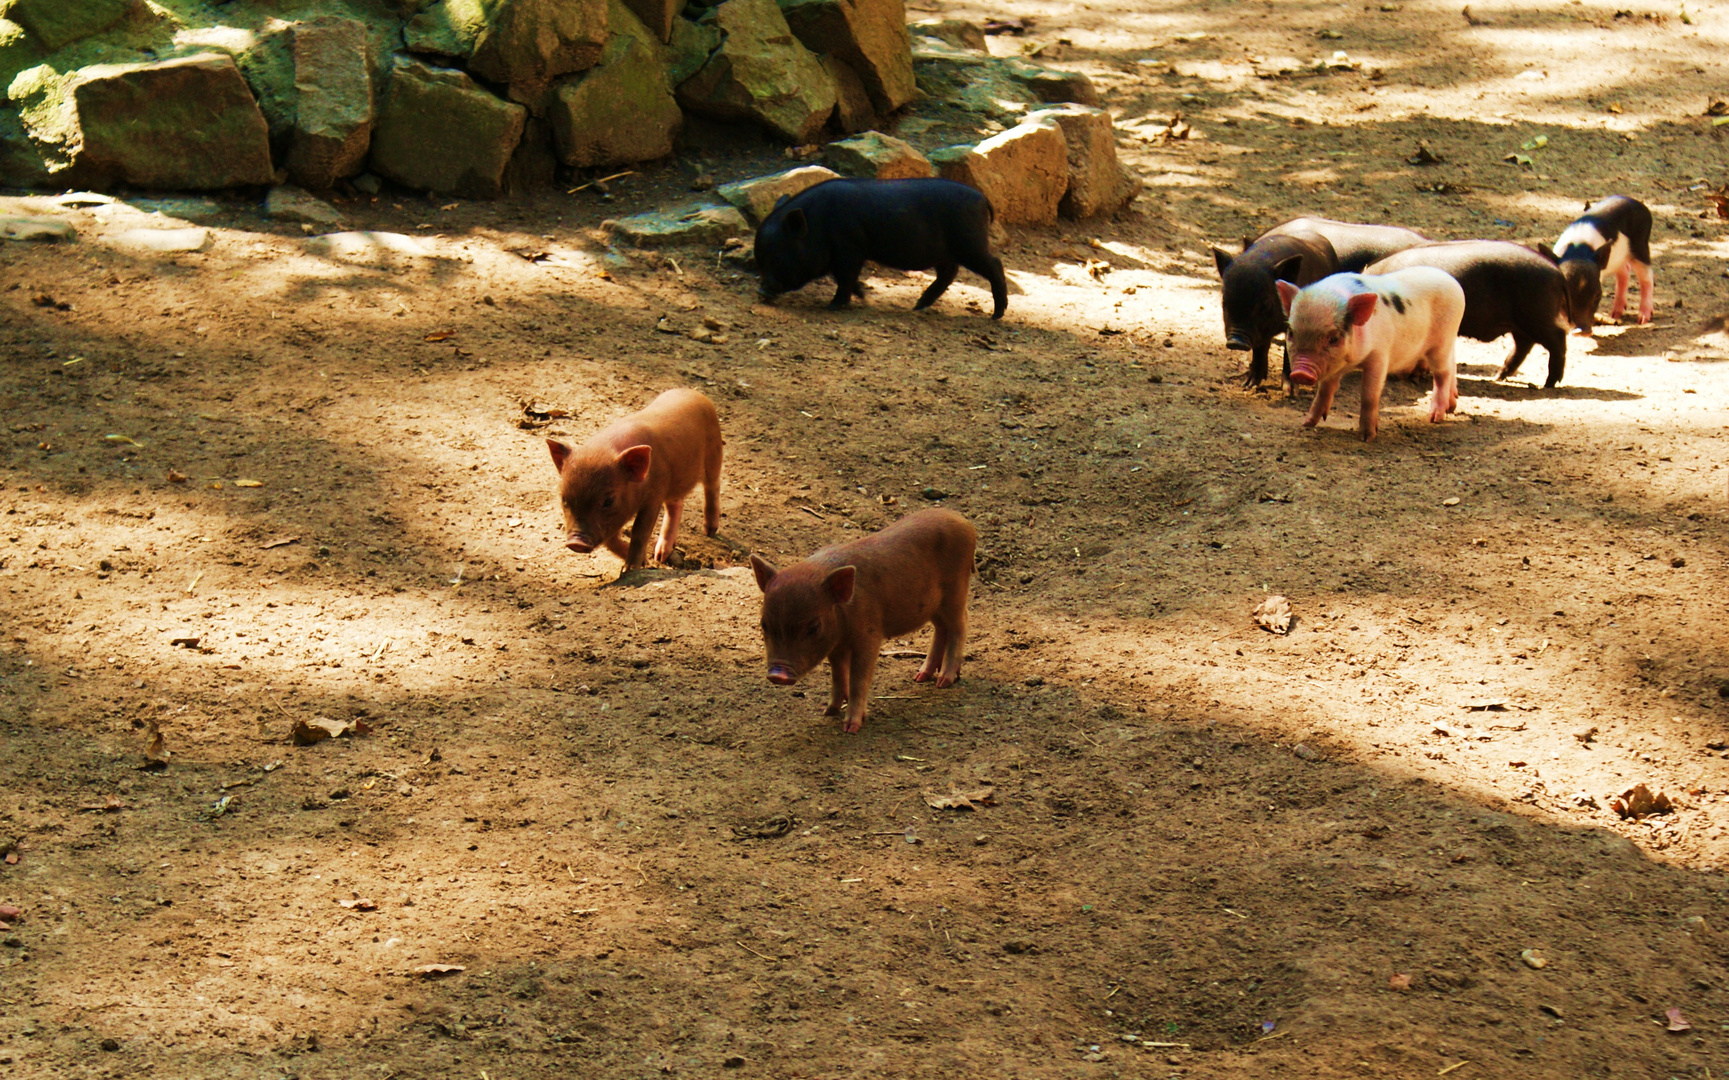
x: 632, y: 468
x: 1354, y: 245
x: 1253, y: 317
x: 1385, y: 324
x: 837, y: 226
x: 1509, y: 289
x: 1611, y: 237
x: 843, y: 602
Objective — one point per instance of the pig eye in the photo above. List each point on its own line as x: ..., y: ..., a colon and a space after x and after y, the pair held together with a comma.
x: 606, y: 504
x: 812, y: 628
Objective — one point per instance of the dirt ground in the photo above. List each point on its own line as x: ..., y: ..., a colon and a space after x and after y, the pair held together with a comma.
x: 1382, y: 845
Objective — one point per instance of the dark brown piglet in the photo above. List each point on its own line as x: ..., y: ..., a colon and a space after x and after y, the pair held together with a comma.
x: 843, y: 602
x: 632, y: 468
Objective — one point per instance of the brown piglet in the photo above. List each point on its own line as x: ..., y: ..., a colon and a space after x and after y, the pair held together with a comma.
x: 634, y: 466
x: 843, y: 602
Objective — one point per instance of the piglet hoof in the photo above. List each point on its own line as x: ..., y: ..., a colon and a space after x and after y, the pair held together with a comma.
x: 832, y: 710
x: 946, y: 681
x: 922, y: 676
x: 851, y: 727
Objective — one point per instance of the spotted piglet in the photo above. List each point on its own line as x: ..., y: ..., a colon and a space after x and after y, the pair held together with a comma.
x: 1385, y: 324
x: 1611, y: 237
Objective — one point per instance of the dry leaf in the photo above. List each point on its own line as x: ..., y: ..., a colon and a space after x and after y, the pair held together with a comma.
x: 280, y: 541
x: 1274, y: 615
x: 970, y: 799
x: 767, y: 829
x: 440, y: 335
x: 156, y: 754
x: 1637, y: 802
x: 1677, y: 1022
x: 248, y: 483
x: 113, y: 804
x: 319, y: 728
x: 433, y: 971
x: 176, y: 477
x: 1400, y: 982
x: 359, y: 905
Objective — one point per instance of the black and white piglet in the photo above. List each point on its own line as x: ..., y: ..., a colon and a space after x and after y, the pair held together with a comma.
x: 835, y: 227
x: 1611, y: 237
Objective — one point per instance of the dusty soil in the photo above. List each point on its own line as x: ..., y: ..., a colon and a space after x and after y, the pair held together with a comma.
x: 1211, y: 852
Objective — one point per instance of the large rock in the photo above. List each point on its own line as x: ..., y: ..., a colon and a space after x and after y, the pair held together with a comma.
x: 853, y: 108
x: 524, y: 44
x: 957, y: 32
x: 705, y: 223
x: 1097, y: 183
x: 1052, y: 84
x: 334, y: 107
x: 617, y: 112
x: 761, y: 73
x: 440, y: 131
x: 689, y: 48
x: 55, y: 24
x: 188, y: 123
x: 870, y: 35
x: 757, y: 195
x: 1024, y: 171
x: 657, y: 15
x: 875, y: 156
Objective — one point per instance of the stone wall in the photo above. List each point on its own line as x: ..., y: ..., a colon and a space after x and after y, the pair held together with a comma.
x: 469, y: 97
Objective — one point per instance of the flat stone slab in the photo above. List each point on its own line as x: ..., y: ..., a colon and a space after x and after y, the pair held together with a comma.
x: 693, y: 223
x: 361, y: 246
x: 289, y: 203
x: 41, y: 230
x: 166, y: 241
x: 757, y: 195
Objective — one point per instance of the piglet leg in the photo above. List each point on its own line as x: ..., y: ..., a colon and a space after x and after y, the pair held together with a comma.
x: 954, y: 640
x: 616, y: 544
x: 945, y: 277
x: 669, y: 532
x: 1374, y: 381
x: 1323, y: 403
x: 1647, y: 291
x: 933, y: 658
x: 839, y: 668
x: 862, y: 667
x: 1620, y: 304
x: 711, y: 497
x: 637, y: 555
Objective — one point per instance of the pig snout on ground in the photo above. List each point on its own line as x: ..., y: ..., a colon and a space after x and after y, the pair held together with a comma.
x: 1383, y: 324
x: 835, y: 227
x: 1354, y: 246
x: 635, y: 467
x: 1250, y: 298
x: 1509, y: 289
x: 843, y: 602
x: 1612, y: 236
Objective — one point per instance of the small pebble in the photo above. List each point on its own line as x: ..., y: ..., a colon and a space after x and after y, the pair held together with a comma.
x: 1532, y: 960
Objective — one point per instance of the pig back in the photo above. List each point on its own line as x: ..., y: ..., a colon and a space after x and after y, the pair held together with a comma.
x: 1509, y: 288
x: 906, y: 571
x: 1355, y: 246
x: 682, y: 427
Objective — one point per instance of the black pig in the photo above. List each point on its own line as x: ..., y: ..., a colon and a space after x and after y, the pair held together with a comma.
x: 836, y: 226
x: 1355, y: 245
x: 1611, y: 237
x: 1509, y: 289
x: 1253, y: 314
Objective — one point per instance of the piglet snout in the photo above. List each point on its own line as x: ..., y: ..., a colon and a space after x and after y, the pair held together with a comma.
x: 781, y: 675
x: 579, y: 543
x: 1304, y: 372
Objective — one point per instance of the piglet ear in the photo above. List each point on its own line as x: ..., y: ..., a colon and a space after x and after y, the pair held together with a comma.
x: 560, y: 453
x: 1288, y: 269
x: 1287, y: 294
x: 796, y: 223
x: 764, y: 571
x: 839, y: 584
x: 633, y: 463
x: 1359, y: 307
x: 1602, y: 255
x: 1222, y: 260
